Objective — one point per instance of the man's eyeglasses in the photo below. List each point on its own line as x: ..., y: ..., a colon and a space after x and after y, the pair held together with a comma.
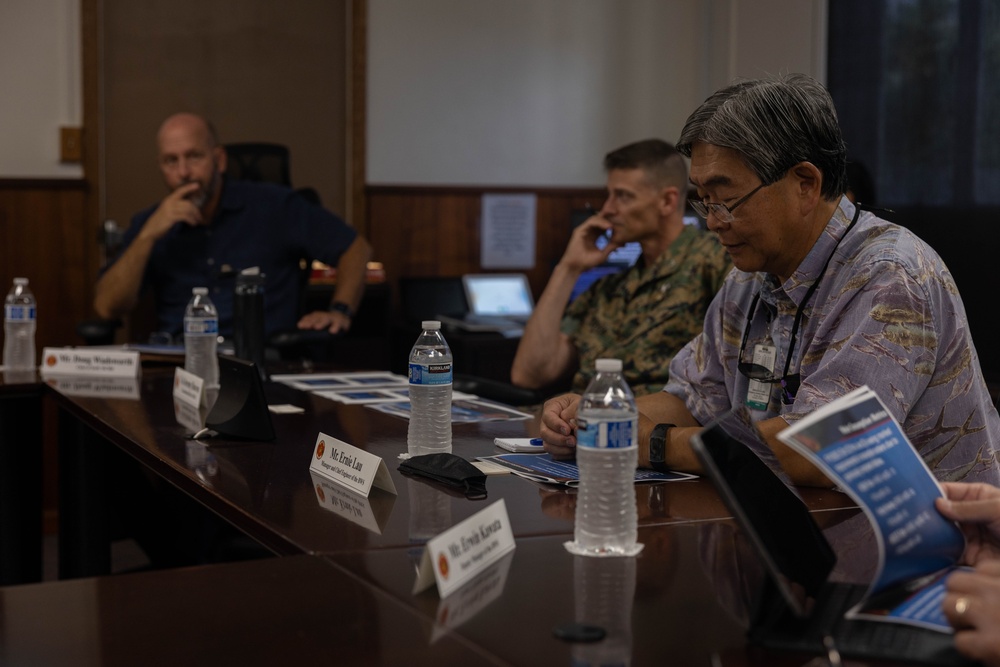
x: 721, y: 212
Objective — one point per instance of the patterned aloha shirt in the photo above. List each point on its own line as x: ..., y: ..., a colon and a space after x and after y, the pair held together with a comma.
x: 643, y: 316
x: 887, y: 314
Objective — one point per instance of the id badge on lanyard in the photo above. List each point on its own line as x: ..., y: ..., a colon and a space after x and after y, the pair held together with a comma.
x: 759, y: 393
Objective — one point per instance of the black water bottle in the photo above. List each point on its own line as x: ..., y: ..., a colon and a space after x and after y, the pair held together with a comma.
x: 248, y: 319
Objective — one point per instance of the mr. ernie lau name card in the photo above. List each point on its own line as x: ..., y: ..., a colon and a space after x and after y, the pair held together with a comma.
x: 464, y: 550
x: 73, y: 361
x: 349, y: 466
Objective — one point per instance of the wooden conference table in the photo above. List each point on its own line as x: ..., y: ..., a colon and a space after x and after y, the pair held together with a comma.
x: 20, y: 477
x: 681, y: 601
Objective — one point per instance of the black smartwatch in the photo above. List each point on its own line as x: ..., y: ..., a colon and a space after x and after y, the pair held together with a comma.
x: 341, y: 307
x: 658, y: 447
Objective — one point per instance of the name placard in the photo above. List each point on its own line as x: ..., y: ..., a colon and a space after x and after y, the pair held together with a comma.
x: 472, y: 597
x: 349, y: 466
x: 189, y: 388
x: 460, y: 553
x: 103, y: 387
x: 370, y: 513
x: 91, y: 362
x: 189, y: 416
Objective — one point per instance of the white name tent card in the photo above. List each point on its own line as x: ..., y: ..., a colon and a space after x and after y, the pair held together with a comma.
x: 189, y: 388
x: 458, y: 554
x: 98, y: 387
x: 189, y: 416
x: 472, y: 597
x: 90, y: 362
x: 349, y: 466
x: 370, y: 513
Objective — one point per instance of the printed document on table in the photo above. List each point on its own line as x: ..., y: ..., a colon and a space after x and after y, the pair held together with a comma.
x: 543, y: 468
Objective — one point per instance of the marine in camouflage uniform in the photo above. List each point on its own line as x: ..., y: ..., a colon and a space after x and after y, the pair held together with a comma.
x: 646, y: 314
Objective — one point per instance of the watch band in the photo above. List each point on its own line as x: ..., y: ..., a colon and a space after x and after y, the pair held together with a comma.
x: 658, y: 447
x: 341, y: 307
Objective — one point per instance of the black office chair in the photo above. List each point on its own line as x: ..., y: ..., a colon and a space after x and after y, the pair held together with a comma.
x: 259, y: 162
x: 264, y: 162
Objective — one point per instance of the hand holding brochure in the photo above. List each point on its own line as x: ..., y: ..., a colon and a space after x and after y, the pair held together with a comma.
x: 858, y: 444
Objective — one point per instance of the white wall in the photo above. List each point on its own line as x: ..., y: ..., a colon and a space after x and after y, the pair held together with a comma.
x: 534, y: 92
x: 484, y: 92
x: 40, y: 85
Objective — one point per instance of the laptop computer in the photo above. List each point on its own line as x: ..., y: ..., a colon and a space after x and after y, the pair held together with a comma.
x: 799, y: 607
x: 496, y: 302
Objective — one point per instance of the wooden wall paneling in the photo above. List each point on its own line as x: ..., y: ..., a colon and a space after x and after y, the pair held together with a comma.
x: 434, y: 231
x: 357, y: 86
x: 44, y: 237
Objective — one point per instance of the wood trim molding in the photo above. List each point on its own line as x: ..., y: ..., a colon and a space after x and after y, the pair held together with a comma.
x: 91, y: 19
x: 42, y: 183
x: 357, y: 80
x: 561, y: 191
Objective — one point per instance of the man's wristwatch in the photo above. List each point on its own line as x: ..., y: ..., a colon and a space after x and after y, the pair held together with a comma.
x: 341, y: 307
x: 658, y: 447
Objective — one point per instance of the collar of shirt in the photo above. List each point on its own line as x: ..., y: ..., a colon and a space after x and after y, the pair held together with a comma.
x: 232, y: 199
x: 792, y: 291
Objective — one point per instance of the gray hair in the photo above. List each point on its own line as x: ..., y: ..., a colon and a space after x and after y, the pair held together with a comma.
x: 774, y: 125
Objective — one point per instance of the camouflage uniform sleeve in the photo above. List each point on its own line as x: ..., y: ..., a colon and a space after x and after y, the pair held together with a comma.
x: 717, y: 266
x: 575, y: 313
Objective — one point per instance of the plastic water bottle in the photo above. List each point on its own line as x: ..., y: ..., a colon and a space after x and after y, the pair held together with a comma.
x: 607, y: 422
x: 19, y: 327
x: 603, y: 595
x: 201, y: 337
x: 430, y: 393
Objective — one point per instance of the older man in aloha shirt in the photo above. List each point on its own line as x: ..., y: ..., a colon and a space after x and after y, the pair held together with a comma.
x: 887, y: 314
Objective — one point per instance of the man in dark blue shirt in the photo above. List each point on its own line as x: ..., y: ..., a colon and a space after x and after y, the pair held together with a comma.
x: 208, y: 229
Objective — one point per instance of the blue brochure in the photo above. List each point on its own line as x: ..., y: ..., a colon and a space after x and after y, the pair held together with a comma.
x: 544, y: 468
x: 858, y: 444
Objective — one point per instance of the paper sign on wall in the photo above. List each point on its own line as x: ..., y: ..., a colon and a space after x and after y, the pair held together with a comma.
x: 349, y: 466
x: 507, y: 231
x: 460, y: 553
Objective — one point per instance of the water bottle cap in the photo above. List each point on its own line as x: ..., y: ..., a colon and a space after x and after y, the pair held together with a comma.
x: 609, y: 365
x: 430, y: 324
x: 200, y: 291
x: 20, y: 281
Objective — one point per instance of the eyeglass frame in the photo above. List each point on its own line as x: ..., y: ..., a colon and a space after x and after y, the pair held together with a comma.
x: 703, y: 208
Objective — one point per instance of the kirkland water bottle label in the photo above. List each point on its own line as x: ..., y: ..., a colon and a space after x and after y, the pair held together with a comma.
x: 604, y: 434
x: 19, y: 313
x: 430, y: 374
x: 198, y: 326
